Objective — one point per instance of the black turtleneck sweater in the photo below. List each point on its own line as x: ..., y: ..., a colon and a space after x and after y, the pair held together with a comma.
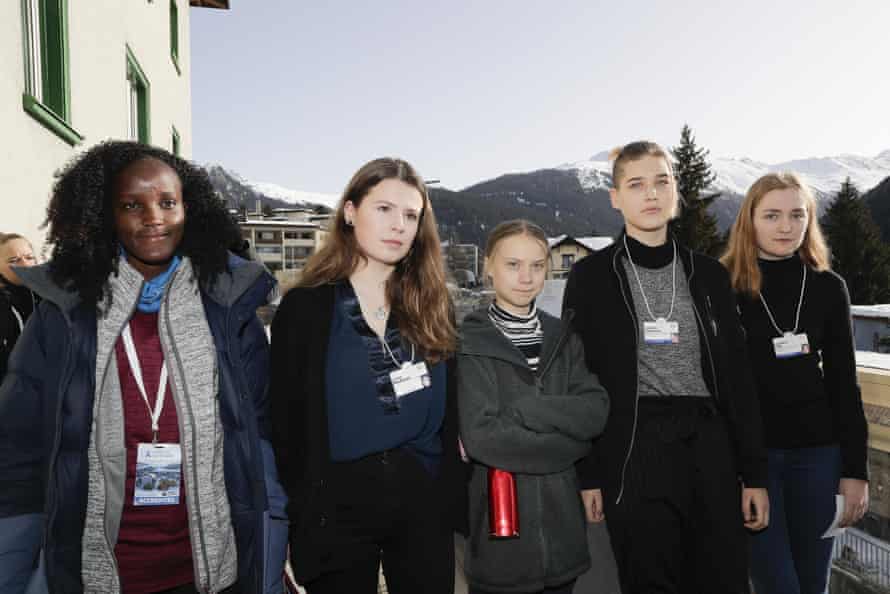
x: 803, y: 404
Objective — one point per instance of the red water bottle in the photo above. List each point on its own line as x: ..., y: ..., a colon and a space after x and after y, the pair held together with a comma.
x: 503, y: 509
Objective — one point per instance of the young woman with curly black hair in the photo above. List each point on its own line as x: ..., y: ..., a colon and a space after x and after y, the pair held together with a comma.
x: 133, y: 415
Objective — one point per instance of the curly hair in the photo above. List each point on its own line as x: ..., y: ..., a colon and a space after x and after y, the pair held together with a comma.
x: 81, y: 220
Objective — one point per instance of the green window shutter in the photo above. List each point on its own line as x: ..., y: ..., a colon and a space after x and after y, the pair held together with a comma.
x: 54, y: 59
x: 176, y: 143
x: 174, y: 34
x: 47, y: 95
x: 140, y: 100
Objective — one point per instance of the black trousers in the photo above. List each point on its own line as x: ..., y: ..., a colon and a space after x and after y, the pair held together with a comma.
x: 564, y: 589
x: 384, y: 511
x: 678, y: 527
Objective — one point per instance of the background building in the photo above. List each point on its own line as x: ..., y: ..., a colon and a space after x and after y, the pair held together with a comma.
x: 871, y: 327
x: 565, y: 250
x: 76, y: 72
x: 284, y: 240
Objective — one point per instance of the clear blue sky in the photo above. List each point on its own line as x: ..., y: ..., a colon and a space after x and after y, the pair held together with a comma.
x: 302, y: 93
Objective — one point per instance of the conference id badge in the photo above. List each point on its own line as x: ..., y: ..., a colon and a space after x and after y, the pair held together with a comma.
x: 791, y: 345
x: 661, y: 331
x: 158, y: 474
x: 410, y: 378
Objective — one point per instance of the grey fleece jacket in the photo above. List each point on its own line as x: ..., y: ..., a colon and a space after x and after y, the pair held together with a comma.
x: 185, y: 340
x: 536, y: 426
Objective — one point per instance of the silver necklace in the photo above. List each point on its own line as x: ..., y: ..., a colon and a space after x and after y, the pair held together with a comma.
x: 643, y: 293
x: 380, y: 313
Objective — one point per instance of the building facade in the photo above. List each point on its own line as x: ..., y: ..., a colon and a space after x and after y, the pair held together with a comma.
x: 285, y: 240
x: 565, y: 250
x: 76, y: 72
x: 871, y: 327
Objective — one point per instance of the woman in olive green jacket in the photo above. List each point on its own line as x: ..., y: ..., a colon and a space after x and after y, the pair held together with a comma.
x: 529, y: 406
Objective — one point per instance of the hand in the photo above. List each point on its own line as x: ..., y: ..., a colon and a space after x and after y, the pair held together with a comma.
x: 755, y: 508
x: 593, y: 505
x: 855, y: 492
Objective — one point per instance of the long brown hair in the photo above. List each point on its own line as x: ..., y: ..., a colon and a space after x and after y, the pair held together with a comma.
x: 416, y: 290
x: 741, y: 252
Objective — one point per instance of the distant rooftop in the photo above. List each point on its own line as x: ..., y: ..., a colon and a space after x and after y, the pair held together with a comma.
x: 592, y: 243
x: 223, y: 4
x: 278, y: 223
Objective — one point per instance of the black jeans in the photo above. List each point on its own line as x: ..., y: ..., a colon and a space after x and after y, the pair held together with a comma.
x: 383, y: 512
x: 678, y: 527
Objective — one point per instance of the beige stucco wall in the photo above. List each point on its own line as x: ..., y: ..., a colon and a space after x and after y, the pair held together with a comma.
x: 98, y: 33
x: 556, y: 254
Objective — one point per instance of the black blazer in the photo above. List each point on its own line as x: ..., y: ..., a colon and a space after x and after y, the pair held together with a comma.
x: 300, y: 335
x: 604, y: 316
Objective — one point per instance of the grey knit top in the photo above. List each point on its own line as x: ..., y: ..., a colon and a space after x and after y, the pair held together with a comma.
x: 664, y: 369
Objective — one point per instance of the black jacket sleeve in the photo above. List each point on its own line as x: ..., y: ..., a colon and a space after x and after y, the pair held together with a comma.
x: 588, y: 468
x: 842, y: 387
x: 742, y: 405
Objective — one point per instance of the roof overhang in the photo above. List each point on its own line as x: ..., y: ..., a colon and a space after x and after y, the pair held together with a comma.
x: 223, y: 4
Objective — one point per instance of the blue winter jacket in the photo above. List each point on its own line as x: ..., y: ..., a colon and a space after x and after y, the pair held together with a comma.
x: 46, y: 409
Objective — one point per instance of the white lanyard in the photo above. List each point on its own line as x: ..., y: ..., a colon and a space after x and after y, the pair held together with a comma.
x: 803, y: 286
x: 392, y: 355
x: 137, y: 375
x: 18, y: 317
x: 643, y: 293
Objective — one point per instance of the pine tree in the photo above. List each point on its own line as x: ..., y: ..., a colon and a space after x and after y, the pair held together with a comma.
x: 695, y: 227
x: 857, y: 252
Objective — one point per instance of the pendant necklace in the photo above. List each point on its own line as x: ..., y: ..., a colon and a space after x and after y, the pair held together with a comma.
x: 380, y: 313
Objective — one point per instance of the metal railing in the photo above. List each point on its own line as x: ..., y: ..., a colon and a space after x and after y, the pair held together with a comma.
x: 864, y: 555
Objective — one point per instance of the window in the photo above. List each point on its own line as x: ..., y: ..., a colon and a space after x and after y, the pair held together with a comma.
x: 47, y: 88
x: 291, y: 235
x: 294, y: 256
x: 174, y: 35
x: 269, y: 250
x: 175, y: 143
x: 568, y: 260
x: 138, y: 99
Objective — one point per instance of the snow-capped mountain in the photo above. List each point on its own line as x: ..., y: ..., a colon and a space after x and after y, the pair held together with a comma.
x: 735, y: 175
x: 239, y: 192
x: 294, y: 196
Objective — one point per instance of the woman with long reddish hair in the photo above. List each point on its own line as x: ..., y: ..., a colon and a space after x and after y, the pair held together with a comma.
x: 796, y: 312
x: 364, y: 419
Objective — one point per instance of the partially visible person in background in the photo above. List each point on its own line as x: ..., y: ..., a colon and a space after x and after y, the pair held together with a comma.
x: 17, y: 302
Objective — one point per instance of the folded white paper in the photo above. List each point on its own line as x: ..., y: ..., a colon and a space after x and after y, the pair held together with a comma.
x: 834, y: 529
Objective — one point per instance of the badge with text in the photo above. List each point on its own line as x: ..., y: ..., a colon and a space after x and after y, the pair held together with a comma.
x: 411, y: 377
x: 158, y: 474
x: 791, y: 345
x: 661, y: 331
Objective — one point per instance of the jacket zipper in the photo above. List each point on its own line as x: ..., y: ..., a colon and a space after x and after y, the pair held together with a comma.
x: 563, y: 336
x: 98, y: 440
x: 203, y: 585
x: 51, y: 491
x: 633, y: 432
x: 702, y: 325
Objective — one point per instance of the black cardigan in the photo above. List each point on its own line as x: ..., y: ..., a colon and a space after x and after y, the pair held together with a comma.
x: 604, y: 316
x: 300, y: 334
